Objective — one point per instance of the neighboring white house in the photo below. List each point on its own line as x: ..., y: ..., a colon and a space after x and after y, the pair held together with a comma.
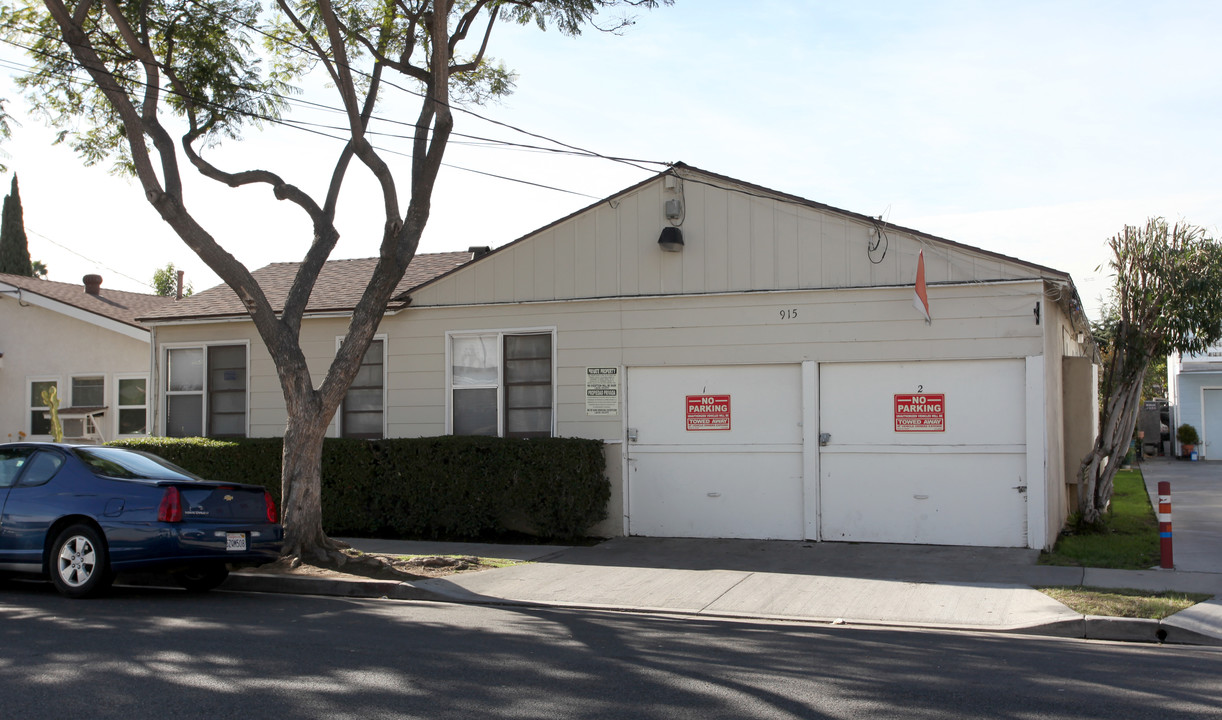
x: 83, y: 341
x: 1194, y: 392
x: 755, y: 362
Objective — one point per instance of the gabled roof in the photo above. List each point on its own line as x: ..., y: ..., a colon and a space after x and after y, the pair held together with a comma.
x: 117, y: 305
x: 338, y: 288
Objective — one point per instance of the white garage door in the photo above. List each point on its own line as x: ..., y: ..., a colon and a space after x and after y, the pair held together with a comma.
x: 728, y: 464
x: 946, y: 467
x: 1211, y: 434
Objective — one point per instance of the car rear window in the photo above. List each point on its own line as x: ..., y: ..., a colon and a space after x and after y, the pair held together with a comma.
x: 11, y: 462
x: 131, y: 465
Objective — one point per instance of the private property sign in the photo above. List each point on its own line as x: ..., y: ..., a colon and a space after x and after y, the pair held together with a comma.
x: 924, y: 412
x: 708, y: 412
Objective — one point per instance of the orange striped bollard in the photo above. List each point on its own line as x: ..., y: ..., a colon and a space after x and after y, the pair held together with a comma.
x: 1164, y: 524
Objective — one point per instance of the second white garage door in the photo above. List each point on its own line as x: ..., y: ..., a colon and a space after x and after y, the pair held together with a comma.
x: 948, y: 471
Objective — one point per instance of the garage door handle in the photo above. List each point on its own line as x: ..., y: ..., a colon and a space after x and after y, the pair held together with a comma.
x: 824, y: 439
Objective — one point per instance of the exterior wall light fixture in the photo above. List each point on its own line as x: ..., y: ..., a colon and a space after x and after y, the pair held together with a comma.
x: 671, y: 239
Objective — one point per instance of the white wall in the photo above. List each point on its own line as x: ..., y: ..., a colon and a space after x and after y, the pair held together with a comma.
x: 852, y: 325
x: 39, y: 343
x: 734, y: 242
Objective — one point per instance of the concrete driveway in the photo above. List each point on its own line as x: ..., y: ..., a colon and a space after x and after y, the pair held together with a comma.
x: 1196, y: 510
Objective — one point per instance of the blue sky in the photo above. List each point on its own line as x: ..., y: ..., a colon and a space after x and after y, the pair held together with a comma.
x: 1035, y: 129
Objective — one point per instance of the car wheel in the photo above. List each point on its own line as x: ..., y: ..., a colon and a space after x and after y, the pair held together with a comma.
x: 79, y: 563
x: 202, y: 578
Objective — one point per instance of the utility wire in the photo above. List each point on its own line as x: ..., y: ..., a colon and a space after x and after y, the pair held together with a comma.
x: 446, y: 101
x: 573, y: 149
x: 91, y: 260
x: 309, y: 127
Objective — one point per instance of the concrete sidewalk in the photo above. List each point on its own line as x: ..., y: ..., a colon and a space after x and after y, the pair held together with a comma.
x: 944, y: 587
x: 843, y: 583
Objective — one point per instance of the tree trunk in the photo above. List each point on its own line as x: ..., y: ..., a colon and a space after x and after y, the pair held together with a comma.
x: 301, y: 487
x: 1098, y: 469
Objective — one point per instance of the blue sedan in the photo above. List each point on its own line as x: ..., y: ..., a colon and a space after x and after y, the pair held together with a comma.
x: 81, y: 514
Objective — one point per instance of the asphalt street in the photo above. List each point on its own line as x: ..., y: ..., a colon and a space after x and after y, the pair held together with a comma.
x: 145, y: 652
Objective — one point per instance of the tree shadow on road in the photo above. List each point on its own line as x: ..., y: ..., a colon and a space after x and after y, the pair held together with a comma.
x: 146, y: 652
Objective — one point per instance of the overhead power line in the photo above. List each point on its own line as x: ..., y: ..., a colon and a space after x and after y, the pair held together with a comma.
x: 99, y: 263
x: 564, y: 148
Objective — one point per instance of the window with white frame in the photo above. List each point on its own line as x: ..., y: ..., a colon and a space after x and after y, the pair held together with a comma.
x: 40, y: 422
x: 362, y: 413
x: 502, y: 384
x: 132, y: 405
x: 89, y: 391
x: 206, y: 391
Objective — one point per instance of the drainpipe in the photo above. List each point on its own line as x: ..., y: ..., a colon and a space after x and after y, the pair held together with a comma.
x: 152, y: 402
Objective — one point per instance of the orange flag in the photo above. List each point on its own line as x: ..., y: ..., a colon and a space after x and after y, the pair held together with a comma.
x: 920, y: 296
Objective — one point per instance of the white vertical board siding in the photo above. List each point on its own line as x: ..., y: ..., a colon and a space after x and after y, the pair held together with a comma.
x: 834, y: 253
x: 763, y: 244
x: 733, y: 241
x: 545, y: 267
x: 695, y: 265
x: 788, y: 267
x: 1038, y: 468
x: 566, y: 261
x: 630, y: 249
x: 712, y: 233
x: 1054, y: 494
x: 585, y: 258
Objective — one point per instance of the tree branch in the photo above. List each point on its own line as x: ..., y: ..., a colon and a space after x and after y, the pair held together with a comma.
x: 317, y: 49
x: 149, y: 107
x: 464, y: 26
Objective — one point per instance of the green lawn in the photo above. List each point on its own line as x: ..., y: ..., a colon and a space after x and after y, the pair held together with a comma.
x: 1128, y: 539
x: 1123, y: 603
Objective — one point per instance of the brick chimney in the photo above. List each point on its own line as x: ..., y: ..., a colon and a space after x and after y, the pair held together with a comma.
x: 93, y: 284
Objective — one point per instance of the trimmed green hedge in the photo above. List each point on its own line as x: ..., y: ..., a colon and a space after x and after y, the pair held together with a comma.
x: 440, y: 487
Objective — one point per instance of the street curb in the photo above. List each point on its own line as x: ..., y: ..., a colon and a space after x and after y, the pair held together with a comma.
x: 1126, y: 629
x: 1175, y: 635
x: 295, y: 585
x: 1088, y: 627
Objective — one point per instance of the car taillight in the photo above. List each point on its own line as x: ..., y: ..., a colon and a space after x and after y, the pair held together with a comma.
x: 170, y: 509
x: 270, y: 505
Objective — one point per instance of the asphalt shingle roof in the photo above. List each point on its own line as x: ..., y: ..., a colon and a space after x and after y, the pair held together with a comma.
x: 119, y: 305
x: 338, y: 288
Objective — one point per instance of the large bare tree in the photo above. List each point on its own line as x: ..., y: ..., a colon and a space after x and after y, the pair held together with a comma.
x: 1166, y: 298
x: 203, y: 70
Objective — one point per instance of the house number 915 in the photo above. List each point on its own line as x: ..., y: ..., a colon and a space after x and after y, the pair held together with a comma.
x: 789, y: 313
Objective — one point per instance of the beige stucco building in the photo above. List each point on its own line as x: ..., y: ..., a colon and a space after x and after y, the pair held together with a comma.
x: 82, y: 340
x: 754, y: 362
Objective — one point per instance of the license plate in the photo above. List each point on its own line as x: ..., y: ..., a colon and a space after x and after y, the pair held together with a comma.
x: 235, y: 542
